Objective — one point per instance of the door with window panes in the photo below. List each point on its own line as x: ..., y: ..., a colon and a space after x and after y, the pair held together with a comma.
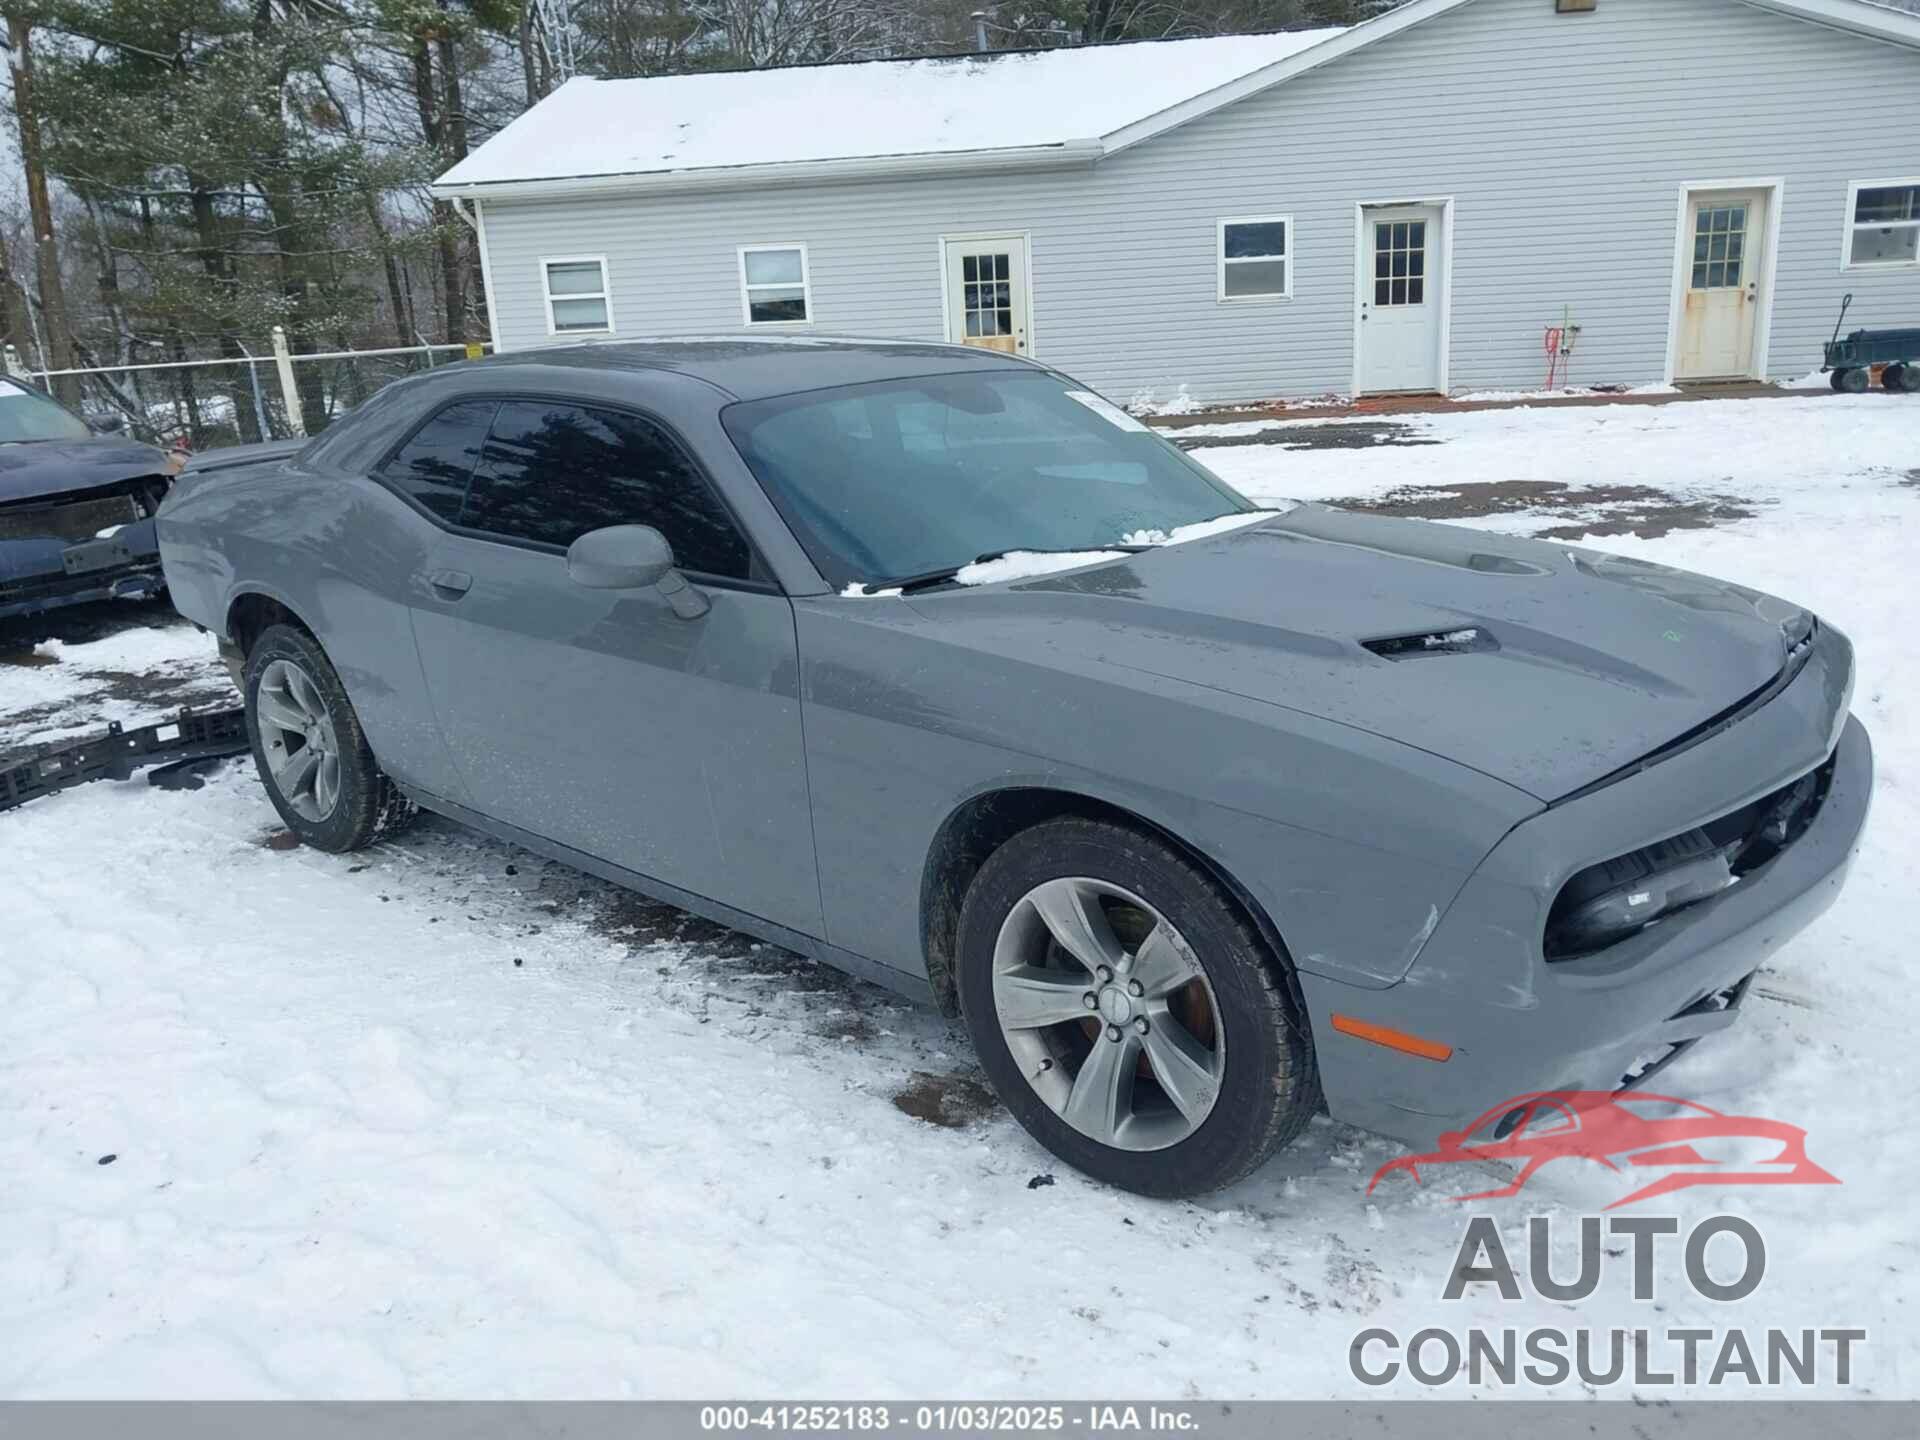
x: 599, y: 718
x: 1402, y: 290
x: 987, y: 293
x: 1720, y: 312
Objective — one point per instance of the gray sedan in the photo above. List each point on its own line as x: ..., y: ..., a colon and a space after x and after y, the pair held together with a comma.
x: 931, y: 664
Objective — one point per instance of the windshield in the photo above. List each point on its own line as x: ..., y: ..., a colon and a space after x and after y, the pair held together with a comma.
x: 28, y: 415
x: 907, y: 477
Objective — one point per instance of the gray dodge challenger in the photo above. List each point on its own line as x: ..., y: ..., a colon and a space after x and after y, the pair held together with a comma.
x: 931, y: 664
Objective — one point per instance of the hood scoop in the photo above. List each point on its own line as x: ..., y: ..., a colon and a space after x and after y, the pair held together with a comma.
x: 1472, y: 640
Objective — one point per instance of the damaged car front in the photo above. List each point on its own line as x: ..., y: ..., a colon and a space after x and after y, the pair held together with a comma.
x: 76, y: 508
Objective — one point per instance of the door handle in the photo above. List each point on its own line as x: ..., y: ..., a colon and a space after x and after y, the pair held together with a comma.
x: 451, y: 584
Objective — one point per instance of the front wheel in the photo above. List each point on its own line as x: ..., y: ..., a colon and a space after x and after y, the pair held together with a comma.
x: 1852, y: 382
x: 1893, y: 379
x: 312, y: 755
x: 1127, y: 1012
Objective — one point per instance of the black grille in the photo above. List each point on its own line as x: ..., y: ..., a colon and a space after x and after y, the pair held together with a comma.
x: 1654, y: 1061
x: 73, y: 520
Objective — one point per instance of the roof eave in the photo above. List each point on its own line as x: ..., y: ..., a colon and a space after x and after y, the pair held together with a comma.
x: 1366, y: 33
x: 800, y: 172
x: 1852, y: 16
x: 1875, y: 22
x: 1864, y: 19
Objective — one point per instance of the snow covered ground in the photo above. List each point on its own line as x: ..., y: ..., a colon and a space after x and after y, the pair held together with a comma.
x: 444, y: 1119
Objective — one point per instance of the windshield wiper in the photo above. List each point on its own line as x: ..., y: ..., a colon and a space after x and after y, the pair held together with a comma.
x: 926, y: 579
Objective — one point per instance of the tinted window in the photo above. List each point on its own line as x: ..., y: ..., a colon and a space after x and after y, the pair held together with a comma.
x: 436, y: 464
x: 553, y: 472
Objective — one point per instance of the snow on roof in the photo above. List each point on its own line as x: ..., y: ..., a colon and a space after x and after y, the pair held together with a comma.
x: 865, y: 111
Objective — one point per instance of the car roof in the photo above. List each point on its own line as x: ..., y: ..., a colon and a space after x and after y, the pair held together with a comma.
x: 757, y: 367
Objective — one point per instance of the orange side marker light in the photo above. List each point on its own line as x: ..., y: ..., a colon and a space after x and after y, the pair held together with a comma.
x: 1393, y: 1039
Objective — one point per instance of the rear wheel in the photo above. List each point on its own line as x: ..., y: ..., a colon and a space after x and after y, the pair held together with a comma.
x: 1893, y: 379
x: 1853, y: 382
x: 309, y: 748
x: 1128, y: 1014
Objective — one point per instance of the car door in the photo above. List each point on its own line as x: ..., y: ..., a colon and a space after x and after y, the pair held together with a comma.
x: 601, y: 719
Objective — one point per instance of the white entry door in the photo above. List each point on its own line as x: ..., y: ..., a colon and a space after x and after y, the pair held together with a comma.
x: 987, y: 292
x: 1403, y: 282
x: 1721, y: 311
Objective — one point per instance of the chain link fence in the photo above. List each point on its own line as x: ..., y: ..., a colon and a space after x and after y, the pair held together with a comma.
x: 266, y: 394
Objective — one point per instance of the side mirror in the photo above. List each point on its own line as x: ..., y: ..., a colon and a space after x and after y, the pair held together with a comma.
x: 632, y: 557
x: 109, y: 424
x: 620, y: 557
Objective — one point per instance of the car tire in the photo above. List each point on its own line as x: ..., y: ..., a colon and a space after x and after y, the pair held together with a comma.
x: 1893, y: 379
x: 309, y: 749
x: 1230, y: 1037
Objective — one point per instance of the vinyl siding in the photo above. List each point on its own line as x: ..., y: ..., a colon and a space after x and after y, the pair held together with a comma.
x: 1563, y: 141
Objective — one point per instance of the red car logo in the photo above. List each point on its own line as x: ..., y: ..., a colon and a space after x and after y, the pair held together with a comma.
x: 1689, y: 1143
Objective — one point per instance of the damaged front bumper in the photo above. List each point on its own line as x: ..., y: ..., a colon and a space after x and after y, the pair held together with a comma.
x: 1518, y: 1023
x: 43, y: 572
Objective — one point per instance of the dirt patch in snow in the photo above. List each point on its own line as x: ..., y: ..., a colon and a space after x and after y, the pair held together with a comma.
x: 1603, y: 509
x: 1362, y: 435
x: 28, y: 659
x: 952, y: 1102
x: 632, y: 919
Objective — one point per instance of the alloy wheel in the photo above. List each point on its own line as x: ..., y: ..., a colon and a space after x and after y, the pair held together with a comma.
x: 298, y: 739
x: 1108, y: 1013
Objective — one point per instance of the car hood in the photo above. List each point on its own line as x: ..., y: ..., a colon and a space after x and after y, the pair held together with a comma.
x: 34, y: 468
x: 1594, y: 660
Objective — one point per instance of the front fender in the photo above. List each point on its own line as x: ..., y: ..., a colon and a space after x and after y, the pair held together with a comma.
x: 1353, y: 846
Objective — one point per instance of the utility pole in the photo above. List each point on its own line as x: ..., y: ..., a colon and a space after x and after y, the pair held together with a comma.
x: 53, y: 301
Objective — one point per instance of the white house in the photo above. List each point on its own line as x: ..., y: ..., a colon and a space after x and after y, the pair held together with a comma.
x: 1407, y: 205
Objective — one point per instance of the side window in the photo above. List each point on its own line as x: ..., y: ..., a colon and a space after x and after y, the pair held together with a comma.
x: 436, y: 464
x: 552, y: 472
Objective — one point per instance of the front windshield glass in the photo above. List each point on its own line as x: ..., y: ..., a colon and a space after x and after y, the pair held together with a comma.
x: 28, y: 415
x: 907, y: 477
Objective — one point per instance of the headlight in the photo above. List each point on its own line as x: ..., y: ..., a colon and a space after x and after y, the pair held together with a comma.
x: 1606, y: 903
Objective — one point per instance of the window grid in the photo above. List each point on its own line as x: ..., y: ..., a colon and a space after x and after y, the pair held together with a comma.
x: 987, y: 284
x: 1399, y: 263
x: 1719, y: 247
x: 573, y: 309
x: 1883, y: 224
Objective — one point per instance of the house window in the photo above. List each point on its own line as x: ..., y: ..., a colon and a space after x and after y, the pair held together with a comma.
x: 1883, y: 223
x: 774, y: 288
x: 1256, y: 258
x: 578, y: 301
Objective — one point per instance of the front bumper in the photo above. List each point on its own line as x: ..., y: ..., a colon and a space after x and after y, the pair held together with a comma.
x: 43, y: 573
x: 1518, y: 1024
